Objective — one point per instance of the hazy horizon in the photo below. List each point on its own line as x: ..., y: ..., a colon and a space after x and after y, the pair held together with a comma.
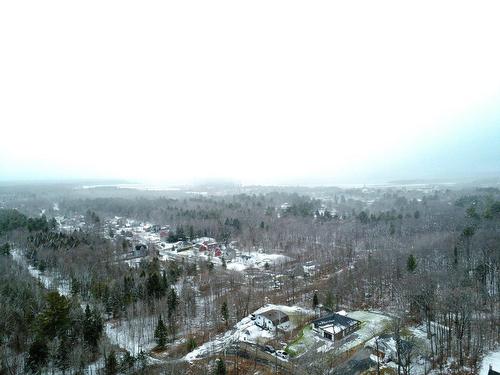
x: 267, y: 93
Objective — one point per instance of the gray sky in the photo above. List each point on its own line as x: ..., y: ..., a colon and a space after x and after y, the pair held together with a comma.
x: 259, y: 92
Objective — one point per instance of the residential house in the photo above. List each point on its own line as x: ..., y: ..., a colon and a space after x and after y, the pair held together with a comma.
x: 271, y: 319
x: 386, y: 348
x: 335, y: 326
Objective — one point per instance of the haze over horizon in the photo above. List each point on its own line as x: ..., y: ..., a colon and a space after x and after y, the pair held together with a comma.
x: 263, y: 93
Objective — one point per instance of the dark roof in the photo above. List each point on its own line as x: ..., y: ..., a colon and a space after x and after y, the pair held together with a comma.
x: 335, y: 319
x: 275, y: 316
x: 493, y: 372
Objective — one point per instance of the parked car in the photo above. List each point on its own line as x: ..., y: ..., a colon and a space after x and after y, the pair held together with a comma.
x: 252, y: 316
x: 269, y: 349
x: 282, y: 354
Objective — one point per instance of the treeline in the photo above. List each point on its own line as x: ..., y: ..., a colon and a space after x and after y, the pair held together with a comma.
x: 11, y: 219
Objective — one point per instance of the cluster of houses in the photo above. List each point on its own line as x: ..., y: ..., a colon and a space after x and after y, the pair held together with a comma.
x: 333, y: 327
x: 209, y: 247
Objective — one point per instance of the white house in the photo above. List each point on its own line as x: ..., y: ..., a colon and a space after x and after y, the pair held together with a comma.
x: 271, y: 319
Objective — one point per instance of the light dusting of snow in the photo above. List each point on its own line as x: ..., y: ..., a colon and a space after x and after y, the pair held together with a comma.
x: 48, y: 280
x: 245, y: 330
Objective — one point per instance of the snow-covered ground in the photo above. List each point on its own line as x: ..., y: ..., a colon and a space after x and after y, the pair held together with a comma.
x: 255, y: 259
x: 49, y: 281
x: 493, y: 359
x: 133, y: 335
x: 246, y: 330
x: 241, y: 262
x: 372, y: 325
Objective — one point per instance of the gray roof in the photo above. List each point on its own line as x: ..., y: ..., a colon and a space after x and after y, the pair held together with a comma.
x: 275, y: 316
x: 335, y: 319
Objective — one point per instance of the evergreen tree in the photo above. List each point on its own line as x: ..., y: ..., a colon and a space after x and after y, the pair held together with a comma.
x: 38, y: 355
x: 315, y: 300
x: 62, y: 356
x: 142, y: 360
x: 161, y: 333
x: 172, y: 302
x: 5, y: 249
x: 55, y: 319
x: 154, y: 286
x: 224, y: 312
x: 190, y: 344
x: 363, y: 217
x: 92, y: 327
x: 220, y: 367
x: 111, y: 365
x: 127, y: 362
x: 75, y: 286
x: 329, y: 302
x: 411, y: 264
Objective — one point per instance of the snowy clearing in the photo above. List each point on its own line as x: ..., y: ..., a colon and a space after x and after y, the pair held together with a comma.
x: 246, y: 330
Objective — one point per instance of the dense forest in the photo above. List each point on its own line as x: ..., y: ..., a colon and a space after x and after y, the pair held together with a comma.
x: 71, y: 301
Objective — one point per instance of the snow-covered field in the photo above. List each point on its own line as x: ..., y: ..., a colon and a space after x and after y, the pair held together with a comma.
x: 246, y: 330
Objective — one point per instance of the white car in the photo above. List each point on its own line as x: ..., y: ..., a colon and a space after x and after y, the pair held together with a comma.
x: 282, y: 354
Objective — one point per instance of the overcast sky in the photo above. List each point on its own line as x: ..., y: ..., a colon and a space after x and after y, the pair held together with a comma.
x: 254, y: 91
